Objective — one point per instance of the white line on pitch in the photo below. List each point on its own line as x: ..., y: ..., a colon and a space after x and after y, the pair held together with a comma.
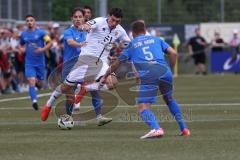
x: 129, y: 106
x: 21, y: 98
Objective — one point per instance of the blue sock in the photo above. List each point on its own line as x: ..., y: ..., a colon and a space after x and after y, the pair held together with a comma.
x: 149, y: 118
x: 69, y: 108
x: 176, y: 112
x: 96, y: 102
x: 32, y: 93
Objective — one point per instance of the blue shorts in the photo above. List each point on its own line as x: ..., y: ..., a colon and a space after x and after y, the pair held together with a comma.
x: 67, y: 67
x: 148, y: 90
x: 35, y: 71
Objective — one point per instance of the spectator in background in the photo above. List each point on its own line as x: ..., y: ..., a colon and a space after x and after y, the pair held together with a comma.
x: 196, y: 49
x: 217, y: 43
x: 53, y: 54
x: 5, y: 74
x: 234, y: 45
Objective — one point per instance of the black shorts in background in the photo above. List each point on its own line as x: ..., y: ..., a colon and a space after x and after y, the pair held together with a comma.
x: 199, y: 58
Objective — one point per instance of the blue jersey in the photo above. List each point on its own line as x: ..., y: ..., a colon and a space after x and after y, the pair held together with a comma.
x: 33, y: 40
x: 78, y: 36
x: 147, y: 55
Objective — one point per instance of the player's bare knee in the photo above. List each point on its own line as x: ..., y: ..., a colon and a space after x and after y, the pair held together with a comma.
x: 32, y: 81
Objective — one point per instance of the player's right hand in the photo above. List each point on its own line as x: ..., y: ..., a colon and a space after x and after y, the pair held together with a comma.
x: 86, y: 27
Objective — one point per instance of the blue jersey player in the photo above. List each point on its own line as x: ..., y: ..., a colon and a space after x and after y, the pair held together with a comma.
x: 74, y: 39
x: 36, y: 42
x: 147, y: 55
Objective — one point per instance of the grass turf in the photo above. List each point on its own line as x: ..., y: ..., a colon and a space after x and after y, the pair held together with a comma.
x: 210, y: 104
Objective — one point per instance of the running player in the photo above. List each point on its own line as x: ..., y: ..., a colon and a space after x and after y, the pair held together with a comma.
x: 147, y: 55
x: 103, y: 32
x: 96, y: 101
x: 36, y: 42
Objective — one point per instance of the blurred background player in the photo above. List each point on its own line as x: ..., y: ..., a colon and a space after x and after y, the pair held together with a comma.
x: 147, y: 55
x: 87, y: 13
x: 196, y: 49
x: 36, y: 42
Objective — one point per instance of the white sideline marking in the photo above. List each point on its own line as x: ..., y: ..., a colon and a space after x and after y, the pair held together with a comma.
x: 21, y: 98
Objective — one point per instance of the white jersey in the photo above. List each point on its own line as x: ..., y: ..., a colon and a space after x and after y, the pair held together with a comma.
x: 101, y: 38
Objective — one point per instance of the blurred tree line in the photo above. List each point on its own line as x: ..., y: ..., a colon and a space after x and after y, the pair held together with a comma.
x: 170, y: 11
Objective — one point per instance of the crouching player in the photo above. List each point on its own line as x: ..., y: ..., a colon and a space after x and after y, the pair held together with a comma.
x: 147, y: 55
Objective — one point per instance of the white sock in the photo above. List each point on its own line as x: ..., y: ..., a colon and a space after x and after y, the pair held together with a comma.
x: 95, y: 87
x: 54, y: 96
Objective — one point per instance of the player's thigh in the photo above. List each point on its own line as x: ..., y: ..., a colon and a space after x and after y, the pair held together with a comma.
x: 77, y: 75
x: 40, y: 72
x: 30, y: 71
x: 102, y: 71
x: 165, y: 83
x: 147, y: 93
x: 30, y: 74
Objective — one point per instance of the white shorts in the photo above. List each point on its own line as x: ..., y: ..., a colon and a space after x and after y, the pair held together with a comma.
x: 86, y: 70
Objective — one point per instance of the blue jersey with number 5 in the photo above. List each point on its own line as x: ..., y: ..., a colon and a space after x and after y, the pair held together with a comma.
x: 147, y: 49
x: 147, y: 55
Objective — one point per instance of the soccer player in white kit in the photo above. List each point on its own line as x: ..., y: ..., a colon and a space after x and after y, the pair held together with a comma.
x: 93, y: 60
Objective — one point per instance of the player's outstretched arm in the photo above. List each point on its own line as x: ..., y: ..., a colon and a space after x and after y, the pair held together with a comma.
x: 73, y: 43
x: 111, y: 69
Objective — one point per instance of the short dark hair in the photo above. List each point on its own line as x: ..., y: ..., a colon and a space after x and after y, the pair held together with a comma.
x: 138, y: 26
x: 117, y: 12
x: 88, y: 7
x: 77, y: 9
x: 29, y: 15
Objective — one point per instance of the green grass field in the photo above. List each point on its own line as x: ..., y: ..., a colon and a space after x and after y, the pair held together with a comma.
x: 210, y: 104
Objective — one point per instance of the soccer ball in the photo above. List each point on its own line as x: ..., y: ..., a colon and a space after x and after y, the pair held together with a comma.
x: 65, y: 122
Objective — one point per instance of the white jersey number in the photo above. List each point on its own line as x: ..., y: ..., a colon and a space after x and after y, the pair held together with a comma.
x: 147, y: 53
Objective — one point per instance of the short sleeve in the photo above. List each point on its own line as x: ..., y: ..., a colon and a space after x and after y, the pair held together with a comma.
x: 164, y: 45
x: 67, y: 35
x: 94, y: 22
